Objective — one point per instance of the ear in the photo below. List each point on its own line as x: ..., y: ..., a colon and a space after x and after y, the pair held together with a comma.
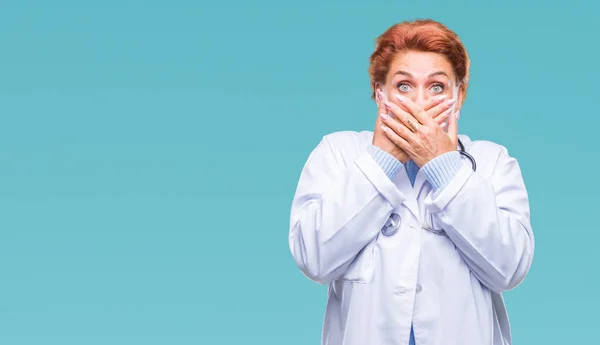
x: 377, y: 86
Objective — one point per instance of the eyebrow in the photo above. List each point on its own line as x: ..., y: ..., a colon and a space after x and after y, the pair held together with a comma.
x: 431, y: 75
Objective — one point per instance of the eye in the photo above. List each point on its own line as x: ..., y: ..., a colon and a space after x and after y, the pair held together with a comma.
x: 437, y: 88
x: 403, y: 87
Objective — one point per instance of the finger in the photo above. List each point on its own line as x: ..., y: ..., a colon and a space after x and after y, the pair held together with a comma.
x: 379, y: 99
x: 399, y: 128
x: 395, y: 138
x: 406, y: 118
x: 417, y: 112
x: 443, y: 116
x: 433, y: 101
x: 381, y: 109
x: 453, y: 128
x: 441, y: 108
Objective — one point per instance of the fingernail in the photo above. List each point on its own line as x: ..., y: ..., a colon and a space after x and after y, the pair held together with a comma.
x: 450, y: 101
x: 387, y: 104
x: 443, y: 124
x: 456, y: 114
x: 441, y: 98
x: 384, y: 116
x: 384, y: 127
x: 400, y: 98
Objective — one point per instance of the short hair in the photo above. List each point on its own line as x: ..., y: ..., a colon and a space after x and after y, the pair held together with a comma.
x: 421, y: 35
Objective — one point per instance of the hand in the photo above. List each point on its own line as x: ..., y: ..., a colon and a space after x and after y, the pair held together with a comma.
x: 380, y: 139
x: 419, y: 133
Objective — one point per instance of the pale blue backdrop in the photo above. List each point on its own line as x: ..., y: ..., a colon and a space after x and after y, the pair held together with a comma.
x: 149, y: 151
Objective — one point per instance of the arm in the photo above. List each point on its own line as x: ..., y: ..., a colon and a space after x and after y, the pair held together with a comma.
x: 338, y: 209
x: 488, y: 220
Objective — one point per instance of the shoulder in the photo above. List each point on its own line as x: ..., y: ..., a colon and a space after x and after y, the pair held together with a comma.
x: 344, y: 139
x: 343, y: 146
x: 485, y: 147
x: 489, y: 155
x: 481, y: 146
x: 347, y: 143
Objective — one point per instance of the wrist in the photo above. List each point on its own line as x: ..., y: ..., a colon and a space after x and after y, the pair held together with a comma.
x: 386, y: 161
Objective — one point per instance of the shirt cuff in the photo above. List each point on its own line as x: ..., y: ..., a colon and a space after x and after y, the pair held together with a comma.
x: 388, y: 163
x: 440, y: 170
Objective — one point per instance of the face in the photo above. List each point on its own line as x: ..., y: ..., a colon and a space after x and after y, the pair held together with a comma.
x: 420, y: 76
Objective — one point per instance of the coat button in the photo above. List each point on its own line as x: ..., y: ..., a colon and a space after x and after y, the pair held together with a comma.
x: 419, y: 287
x: 392, y: 225
x: 400, y: 290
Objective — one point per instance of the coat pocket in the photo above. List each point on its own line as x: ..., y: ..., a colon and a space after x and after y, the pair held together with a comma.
x: 433, y: 225
x: 362, y: 266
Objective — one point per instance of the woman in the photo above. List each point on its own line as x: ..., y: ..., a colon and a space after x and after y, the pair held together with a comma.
x: 416, y: 243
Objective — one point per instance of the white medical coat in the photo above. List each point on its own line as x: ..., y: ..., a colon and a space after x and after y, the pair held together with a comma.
x: 448, y: 284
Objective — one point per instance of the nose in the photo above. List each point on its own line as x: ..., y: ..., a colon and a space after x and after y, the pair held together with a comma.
x: 420, y: 97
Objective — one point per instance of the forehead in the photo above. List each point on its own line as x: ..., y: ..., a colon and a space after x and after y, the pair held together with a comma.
x: 421, y: 64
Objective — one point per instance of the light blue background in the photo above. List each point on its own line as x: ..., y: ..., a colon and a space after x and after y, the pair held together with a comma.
x: 149, y: 151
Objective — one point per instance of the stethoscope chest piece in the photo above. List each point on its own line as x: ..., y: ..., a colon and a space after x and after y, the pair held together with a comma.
x: 391, y: 225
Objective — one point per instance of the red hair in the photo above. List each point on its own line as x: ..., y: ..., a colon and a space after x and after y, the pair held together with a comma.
x: 423, y: 35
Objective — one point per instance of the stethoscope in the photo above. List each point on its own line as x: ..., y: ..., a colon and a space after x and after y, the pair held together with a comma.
x: 393, y: 223
x: 466, y: 154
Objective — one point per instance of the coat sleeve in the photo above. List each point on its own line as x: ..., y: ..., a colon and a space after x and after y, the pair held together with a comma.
x: 337, y: 209
x: 489, y: 222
